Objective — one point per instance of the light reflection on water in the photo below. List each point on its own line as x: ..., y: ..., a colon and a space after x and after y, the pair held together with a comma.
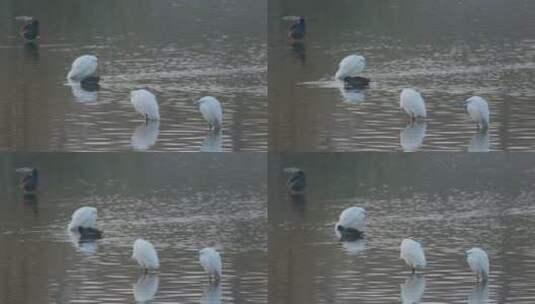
x: 181, y: 203
x: 449, y: 202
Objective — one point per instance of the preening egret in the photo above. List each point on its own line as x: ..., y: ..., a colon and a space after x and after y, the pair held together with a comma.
x: 412, y: 103
x: 412, y: 137
x: 297, y: 30
x: 211, y: 111
x: 145, y: 103
x: 478, y: 261
x: 349, y: 70
x: 413, y: 289
x: 145, y: 255
x: 296, y: 181
x: 413, y: 254
x: 82, y: 68
x: 478, y: 109
x: 146, y: 288
x: 30, y: 31
x: 351, y: 223
x: 30, y: 181
x: 211, y: 262
x: 84, y: 221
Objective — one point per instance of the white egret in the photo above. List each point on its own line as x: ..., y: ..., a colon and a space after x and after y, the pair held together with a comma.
x: 412, y: 137
x: 212, y: 112
x: 146, y: 288
x: 145, y: 103
x: 478, y: 261
x: 211, y: 262
x: 412, y: 103
x: 82, y: 68
x: 478, y: 109
x: 413, y: 254
x: 84, y: 221
x: 349, y: 70
x: 351, y: 223
x: 145, y: 255
x: 413, y: 289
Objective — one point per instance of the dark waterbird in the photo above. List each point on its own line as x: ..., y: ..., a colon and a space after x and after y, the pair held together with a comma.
x: 297, y: 30
x: 356, y: 83
x: 30, y: 181
x: 349, y: 234
x: 90, y: 83
x: 30, y: 31
x: 89, y: 234
x: 297, y: 181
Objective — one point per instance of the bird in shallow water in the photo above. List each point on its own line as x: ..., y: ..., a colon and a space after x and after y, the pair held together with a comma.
x: 351, y: 223
x: 30, y: 181
x: 478, y: 260
x: 413, y: 254
x: 349, y: 70
x: 145, y: 104
x: 82, y: 70
x: 296, y: 181
x: 30, y: 31
x: 478, y: 109
x: 297, y: 30
x: 210, y: 261
x: 412, y: 102
x: 211, y: 111
x: 84, y: 222
x: 145, y: 255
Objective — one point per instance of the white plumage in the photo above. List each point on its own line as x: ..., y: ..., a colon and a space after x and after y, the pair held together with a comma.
x: 413, y: 254
x: 350, y: 66
x: 478, y: 261
x: 145, y: 135
x: 145, y: 103
x: 412, y: 137
x: 145, y: 255
x: 413, y: 289
x: 85, y: 217
x: 83, y: 67
x: 212, y: 112
x: 353, y: 218
x: 146, y: 288
x: 211, y: 262
x: 412, y: 103
x: 478, y: 109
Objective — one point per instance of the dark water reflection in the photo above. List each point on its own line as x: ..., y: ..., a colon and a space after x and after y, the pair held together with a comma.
x: 450, y: 202
x: 181, y: 203
x: 448, y: 49
x: 180, y: 50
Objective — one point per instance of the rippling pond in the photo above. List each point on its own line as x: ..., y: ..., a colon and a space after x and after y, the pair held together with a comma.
x: 449, y: 50
x: 179, y: 50
x: 449, y: 202
x: 181, y: 203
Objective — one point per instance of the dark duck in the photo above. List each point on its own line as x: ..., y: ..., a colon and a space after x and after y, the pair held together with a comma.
x: 297, y: 30
x: 297, y: 181
x: 30, y: 31
x: 348, y: 71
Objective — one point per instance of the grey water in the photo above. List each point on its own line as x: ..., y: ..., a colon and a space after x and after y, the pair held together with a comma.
x: 180, y: 203
x: 449, y: 202
x: 449, y: 50
x: 179, y: 50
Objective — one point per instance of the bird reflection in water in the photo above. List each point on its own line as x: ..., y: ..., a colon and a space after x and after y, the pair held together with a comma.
x: 480, y: 142
x: 145, y: 135
x: 480, y: 294
x: 413, y: 289
x: 412, y: 137
x: 212, y: 142
x: 145, y: 288
x: 211, y: 294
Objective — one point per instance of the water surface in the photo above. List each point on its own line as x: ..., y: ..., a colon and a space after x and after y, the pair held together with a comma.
x: 449, y: 202
x: 179, y: 50
x: 449, y: 50
x: 181, y: 203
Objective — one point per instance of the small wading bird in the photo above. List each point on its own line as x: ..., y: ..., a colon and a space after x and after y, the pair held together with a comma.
x: 296, y: 181
x: 412, y: 103
x: 30, y: 31
x: 478, y: 109
x: 145, y: 103
x: 82, y: 71
x: 210, y: 261
x: 145, y: 255
x: 211, y: 111
x: 349, y: 70
x: 478, y: 260
x: 84, y: 221
x: 297, y: 30
x: 351, y: 223
x: 413, y: 254
x: 30, y: 181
